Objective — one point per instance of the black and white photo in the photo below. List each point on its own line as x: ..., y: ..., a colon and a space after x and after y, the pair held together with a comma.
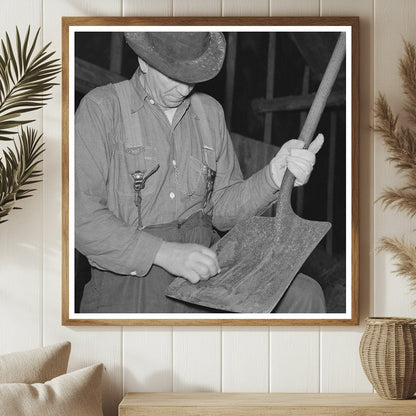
x: 210, y: 173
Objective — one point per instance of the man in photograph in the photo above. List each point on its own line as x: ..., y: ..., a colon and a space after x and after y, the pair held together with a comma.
x: 156, y: 174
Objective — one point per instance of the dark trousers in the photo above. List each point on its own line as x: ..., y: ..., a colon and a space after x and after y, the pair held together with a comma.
x: 108, y: 292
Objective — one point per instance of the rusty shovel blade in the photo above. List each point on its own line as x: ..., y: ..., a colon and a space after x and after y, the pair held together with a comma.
x: 260, y: 257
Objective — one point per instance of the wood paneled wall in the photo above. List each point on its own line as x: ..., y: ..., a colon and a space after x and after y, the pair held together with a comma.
x: 261, y: 359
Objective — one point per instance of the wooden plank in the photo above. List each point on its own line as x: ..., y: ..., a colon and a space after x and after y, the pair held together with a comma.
x: 230, y: 76
x: 393, y: 23
x: 295, y: 102
x: 89, y: 345
x: 294, y: 8
x: 89, y: 76
x: 245, y: 359
x: 252, y: 154
x: 147, y: 8
x: 147, y: 359
x: 341, y: 368
x: 245, y: 8
x: 294, y: 352
x: 216, y: 404
x: 190, y: 372
x: 300, y: 191
x: 196, y: 8
x: 364, y: 9
x: 271, y: 58
x: 116, y: 54
x: 294, y: 360
x: 21, y: 237
x: 330, y: 191
x: 316, y: 49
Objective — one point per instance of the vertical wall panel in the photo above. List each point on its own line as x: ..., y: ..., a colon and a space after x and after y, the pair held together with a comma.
x: 294, y: 8
x: 341, y: 367
x: 341, y: 370
x: 89, y: 344
x: 245, y: 359
x: 196, y: 8
x: 294, y: 351
x: 245, y: 8
x: 294, y: 360
x: 147, y: 352
x: 147, y: 359
x: 197, y: 359
x: 147, y: 7
x: 394, y: 21
x: 21, y: 237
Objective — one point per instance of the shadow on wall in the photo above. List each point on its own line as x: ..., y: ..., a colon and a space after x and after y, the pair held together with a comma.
x: 160, y: 381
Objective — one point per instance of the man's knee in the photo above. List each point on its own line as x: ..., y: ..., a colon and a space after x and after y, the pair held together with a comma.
x: 304, y: 295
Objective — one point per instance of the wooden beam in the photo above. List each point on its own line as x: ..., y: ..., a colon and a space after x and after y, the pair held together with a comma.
x: 116, y: 52
x: 331, y: 182
x: 89, y: 76
x: 271, y: 59
x: 230, y: 76
x: 300, y: 191
x: 295, y: 102
x: 252, y: 154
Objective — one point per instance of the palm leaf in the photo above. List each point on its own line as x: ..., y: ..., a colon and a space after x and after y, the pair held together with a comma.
x: 25, y: 79
x: 19, y: 169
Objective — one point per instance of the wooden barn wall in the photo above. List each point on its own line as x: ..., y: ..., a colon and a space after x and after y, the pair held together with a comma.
x: 245, y: 359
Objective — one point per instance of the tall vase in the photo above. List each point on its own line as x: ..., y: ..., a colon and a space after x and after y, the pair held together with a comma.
x: 388, y: 356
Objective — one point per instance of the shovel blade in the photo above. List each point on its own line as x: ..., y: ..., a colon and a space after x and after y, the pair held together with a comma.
x: 259, y: 258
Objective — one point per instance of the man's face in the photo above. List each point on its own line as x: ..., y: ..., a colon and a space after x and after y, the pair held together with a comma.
x: 164, y: 90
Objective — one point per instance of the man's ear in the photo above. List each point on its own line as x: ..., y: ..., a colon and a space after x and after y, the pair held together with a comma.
x: 143, y: 65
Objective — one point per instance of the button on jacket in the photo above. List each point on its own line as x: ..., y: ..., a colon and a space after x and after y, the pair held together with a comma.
x: 105, y: 213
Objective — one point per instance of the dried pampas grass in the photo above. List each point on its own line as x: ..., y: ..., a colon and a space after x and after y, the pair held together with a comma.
x: 401, y: 143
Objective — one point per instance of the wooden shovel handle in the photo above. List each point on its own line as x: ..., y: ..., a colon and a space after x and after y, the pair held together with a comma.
x: 314, y: 114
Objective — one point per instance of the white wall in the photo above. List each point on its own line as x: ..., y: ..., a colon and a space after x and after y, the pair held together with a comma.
x: 282, y: 359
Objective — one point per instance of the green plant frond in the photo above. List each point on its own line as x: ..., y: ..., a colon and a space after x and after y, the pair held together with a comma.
x: 405, y: 255
x: 19, y: 170
x: 25, y: 77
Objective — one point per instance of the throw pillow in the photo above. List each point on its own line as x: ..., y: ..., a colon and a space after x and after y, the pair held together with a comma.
x: 35, y: 366
x: 73, y: 394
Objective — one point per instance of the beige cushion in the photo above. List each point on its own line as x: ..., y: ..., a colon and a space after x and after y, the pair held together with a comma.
x: 73, y: 394
x: 35, y: 366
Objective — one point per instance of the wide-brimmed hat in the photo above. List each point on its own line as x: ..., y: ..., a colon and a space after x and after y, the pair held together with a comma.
x: 188, y: 57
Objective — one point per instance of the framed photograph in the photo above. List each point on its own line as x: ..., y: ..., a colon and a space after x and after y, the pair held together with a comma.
x: 210, y: 171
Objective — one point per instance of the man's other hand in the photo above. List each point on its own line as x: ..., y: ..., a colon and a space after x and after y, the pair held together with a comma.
x: 193, y: 262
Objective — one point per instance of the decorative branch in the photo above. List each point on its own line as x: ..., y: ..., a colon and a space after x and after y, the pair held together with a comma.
x: 401, y: 199
x: 407, y: 68
x: 405, y: 255
x: 20, y: 170
x: 25, y: 81
x: 401, y: 143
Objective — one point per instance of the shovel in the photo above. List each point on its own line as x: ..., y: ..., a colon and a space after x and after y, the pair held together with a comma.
x: 260, y: 257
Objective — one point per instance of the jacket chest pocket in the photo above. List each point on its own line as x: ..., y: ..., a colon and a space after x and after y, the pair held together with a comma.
x: 131, y: 159
x: 194, y: 178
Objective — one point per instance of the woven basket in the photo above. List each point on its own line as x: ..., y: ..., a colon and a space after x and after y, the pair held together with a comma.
x: 388, y: 356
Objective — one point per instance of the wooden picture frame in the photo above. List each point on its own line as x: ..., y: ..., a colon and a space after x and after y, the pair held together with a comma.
x: 338, y: 255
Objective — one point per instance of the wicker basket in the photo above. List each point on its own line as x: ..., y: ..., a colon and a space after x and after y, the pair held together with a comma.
x: 388, y: 356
